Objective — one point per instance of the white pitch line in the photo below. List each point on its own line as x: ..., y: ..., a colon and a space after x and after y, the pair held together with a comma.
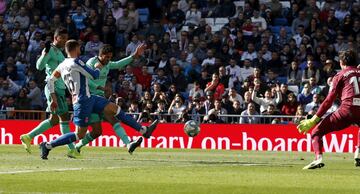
x: 48, y: 170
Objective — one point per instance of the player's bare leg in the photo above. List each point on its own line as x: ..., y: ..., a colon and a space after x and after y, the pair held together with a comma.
x: 67, y: 138
x: 317, y: 145
x: 90, y: 136
x: 131, y: 146
x: 26, y: 139
x: 112, y: 110
x: 357, y: 151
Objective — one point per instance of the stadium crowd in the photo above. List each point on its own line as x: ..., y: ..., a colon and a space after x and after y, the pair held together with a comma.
x: 203, y: 57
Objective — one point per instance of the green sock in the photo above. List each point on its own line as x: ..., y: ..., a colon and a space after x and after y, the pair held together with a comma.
x: 84, y: 141
x: 64, y: 128
x: 120, y: 132
x: 41, y: 128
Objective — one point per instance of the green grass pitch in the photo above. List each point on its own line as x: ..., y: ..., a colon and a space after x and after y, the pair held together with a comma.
x: 113, y: 170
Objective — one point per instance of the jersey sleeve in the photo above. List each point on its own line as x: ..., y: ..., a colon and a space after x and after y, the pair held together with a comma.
x: 334, y: 90
x: 86, y: 70
x: 120, y: 63
x: 42, y: 61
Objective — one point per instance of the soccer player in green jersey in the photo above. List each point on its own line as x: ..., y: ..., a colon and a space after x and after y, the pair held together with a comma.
x: 50, y: 58
x: 97, y: 88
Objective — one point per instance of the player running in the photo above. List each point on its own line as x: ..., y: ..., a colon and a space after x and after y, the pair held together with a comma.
x: 97, y: 86
x: 345, y: 85
x: 51, y: 57
x: 75, y: 75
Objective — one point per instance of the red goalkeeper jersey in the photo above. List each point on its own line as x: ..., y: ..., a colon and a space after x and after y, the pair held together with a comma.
x: 345, y: 85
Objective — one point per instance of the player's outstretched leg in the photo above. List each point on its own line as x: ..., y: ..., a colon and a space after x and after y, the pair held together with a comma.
x: 317, y: 145
x: 130, y: 121
x: 41, y: 128
x: 134, y: 144
x: 67, y: 138
x: 65, y: 128
x: 357, y: 157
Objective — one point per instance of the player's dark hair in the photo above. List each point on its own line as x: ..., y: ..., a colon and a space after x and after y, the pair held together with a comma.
x: 71, y: 45
x: 348, y: 57
x: 60, y: 31
x: 105, y: 49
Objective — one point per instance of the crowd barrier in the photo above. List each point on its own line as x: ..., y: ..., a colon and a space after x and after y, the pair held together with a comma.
x: 212, y: 136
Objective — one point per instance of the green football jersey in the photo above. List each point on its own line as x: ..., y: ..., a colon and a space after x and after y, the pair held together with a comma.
x: 49, y: 62
x: 101, y: 81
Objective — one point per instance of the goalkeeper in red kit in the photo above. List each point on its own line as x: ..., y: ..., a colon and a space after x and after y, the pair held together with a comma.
x: 345, y: 85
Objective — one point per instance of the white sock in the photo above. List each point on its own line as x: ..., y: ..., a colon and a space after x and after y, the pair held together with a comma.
x: 356, y: 154
x: 48, y: 146
x: 143, y: 130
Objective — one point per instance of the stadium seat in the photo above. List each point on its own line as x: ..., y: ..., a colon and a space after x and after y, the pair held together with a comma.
x: 144, y: 15
x: 285, y: 4
x: 275, y: 29
x: 210, y: 21
x: 280, y: 22
x: 221, y: 21
x: 20, y: 67
x: 294, y: 88
x: 239, y: 3
x: 216, y: 28
x: 282, y: 79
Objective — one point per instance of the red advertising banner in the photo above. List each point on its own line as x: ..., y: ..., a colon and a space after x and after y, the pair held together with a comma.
x: 212, y: 136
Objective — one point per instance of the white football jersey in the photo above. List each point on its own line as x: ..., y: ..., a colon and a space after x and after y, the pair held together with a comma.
x: 75, y: 74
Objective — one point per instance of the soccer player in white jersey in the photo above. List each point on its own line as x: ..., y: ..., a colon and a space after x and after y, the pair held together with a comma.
x: 75, y: 74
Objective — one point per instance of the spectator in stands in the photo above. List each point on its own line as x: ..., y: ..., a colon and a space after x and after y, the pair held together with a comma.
x: 300, y: 35
x: 196, y: 109
x: 134, y: 109
x: 250, y: 54
x: 21, y: 101
x: 294, y: 74
x: 9, y: 88
x: 311, y: 9
x: 290, y: 106
x: 23, y: 19
x: 271, y: 110
x: 136, y: 87
x: 299, y: 21
x: 34, y: 95
x: 177, y: 78
x: 246, y: 70
x: 124, y: 25
x: 93, y: 46
x: 247, y: 115
x: 161, y: 111
x: 314, y: 104
x: 259, y: 21
x: 129, y: 73
x: 342, y: 11
x: 161, y: 79
x: 234, y: 96
x: 314, y: 88
x: 214, y: 114
x: 234, y: 72
x: 223, y: 77
x: 133, y: 13
x: 177, y: 107
x: 192, y: 71
x: 215, y: 86
x: 235, y: 110
x: 293, y: 12
x: 131, y: 47
x: 193, y: 15
x: 340, y: 44
x: 144, y: 79
x: 267, y: 99
x: 196, y: 91
x: 305, y: 96
x: 332, y: 22
x: 9, y: 69
x: 310, y: 71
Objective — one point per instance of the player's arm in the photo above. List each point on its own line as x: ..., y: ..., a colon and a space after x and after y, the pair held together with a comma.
x: 51, y: 86
x: 42, y: 60
x: 125, y: 61
x: 307, y: 124
x: 88, y: 71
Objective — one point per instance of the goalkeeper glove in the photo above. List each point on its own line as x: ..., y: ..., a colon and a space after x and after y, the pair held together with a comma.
x: 307, y: 124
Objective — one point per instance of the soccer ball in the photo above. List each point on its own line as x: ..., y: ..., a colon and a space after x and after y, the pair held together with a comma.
x: 191, y: 128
